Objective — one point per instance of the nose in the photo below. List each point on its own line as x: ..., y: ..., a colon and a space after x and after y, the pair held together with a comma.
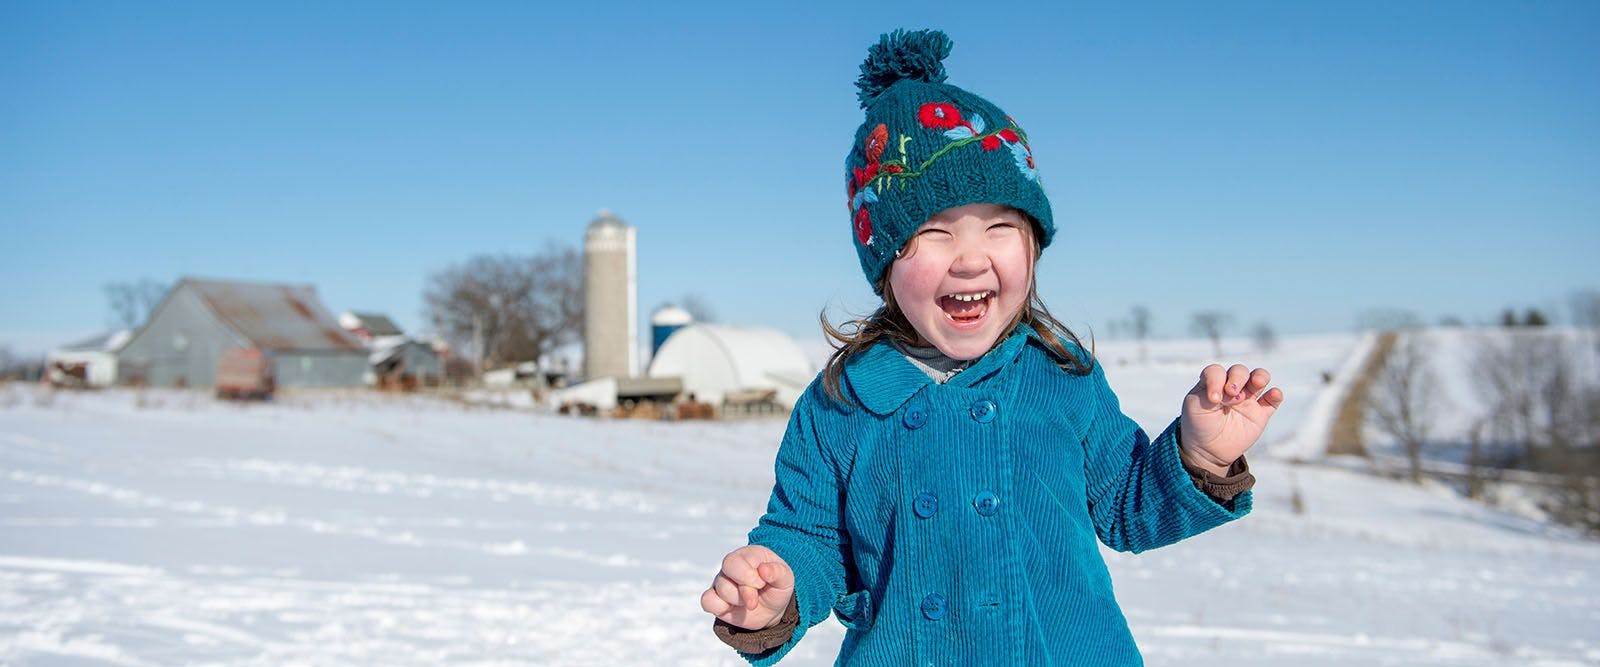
x: 972, y: 259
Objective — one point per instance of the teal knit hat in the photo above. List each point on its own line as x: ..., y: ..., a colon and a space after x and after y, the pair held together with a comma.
x: 927, y: 146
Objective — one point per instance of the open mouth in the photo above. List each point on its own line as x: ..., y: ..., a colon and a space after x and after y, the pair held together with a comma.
x: 966, y: 307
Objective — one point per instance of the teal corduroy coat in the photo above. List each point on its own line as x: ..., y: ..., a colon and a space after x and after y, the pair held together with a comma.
x: 956, y: 523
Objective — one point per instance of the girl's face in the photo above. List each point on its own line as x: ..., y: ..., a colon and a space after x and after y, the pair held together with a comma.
x: 964, y: 276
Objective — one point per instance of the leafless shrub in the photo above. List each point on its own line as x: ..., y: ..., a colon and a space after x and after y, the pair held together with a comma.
x: 1211, y: 324
x: 1404, y: 398
x: 1266, y: 339
x: 1139, y: 324
x: 1543, y: 398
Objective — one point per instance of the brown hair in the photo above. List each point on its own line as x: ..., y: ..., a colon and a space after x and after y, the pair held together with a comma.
x: 888, y: 323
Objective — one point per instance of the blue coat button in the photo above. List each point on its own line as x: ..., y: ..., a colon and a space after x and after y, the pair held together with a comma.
x: 984, y: 411
x: 916, y: 416
x: 986, y: 502
x: 926, y: 504
x: 934, y: 606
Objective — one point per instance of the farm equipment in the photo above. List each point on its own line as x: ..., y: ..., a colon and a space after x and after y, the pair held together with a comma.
x: 245, y: 374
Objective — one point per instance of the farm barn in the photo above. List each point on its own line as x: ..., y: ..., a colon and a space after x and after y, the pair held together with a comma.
x: 184, y: 338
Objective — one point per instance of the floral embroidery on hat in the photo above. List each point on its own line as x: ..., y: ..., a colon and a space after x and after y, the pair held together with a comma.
x: 863, y: 224
x: 939, y: 115
x: 961, y: 129
x: 860, y: 195
x: 865, y: 182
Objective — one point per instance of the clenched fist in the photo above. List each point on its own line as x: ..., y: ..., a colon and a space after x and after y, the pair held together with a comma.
x: 752, y: 590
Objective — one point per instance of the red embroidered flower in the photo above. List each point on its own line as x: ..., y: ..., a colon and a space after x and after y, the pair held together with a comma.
x: 939, y: 115
x: 991, y: 142
x: 1009, y: 135
x: 892, y: 168
x: 876, y: 142
x: 863, y: 226
x: 864, y: 174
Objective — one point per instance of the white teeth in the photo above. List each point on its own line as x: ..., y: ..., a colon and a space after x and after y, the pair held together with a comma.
x: 975, y: 296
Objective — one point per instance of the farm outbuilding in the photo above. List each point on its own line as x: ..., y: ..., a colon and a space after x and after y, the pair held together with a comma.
x: 396, y: 360
x: 91, y: 362
x: 369, y: 326
x: 401, y: 363
x: 717, y: 362
x: 184, y: 338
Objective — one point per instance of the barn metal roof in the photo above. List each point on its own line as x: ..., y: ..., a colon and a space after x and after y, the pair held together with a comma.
x: 377, y: 324
x: 275, y: 316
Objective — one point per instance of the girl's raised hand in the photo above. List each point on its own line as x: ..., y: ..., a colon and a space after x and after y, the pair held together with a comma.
x: 1224, y: 415
x: 752, y: 590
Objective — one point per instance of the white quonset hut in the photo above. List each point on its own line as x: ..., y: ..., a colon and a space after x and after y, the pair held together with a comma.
x: 715, y: 360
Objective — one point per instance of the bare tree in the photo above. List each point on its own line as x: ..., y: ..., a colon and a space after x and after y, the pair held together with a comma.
x: 508, y: 308
x: 1139, y: 322
x: 1211, y: 324
x: 133, y: 302
x: 1404, y: 398
x: 698, y: 308
x: 1266, y: 339
x: 1586, y: 314
x: 1512, y: 369
x: 23, y: 367
x: 1585, y: 308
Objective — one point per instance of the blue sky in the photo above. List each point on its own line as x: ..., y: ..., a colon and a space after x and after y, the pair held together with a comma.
x: 1290, y: 163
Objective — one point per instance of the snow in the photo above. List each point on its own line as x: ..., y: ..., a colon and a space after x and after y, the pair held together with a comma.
x: 349, y: 528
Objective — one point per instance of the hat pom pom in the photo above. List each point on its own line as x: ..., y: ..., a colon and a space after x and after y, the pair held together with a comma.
x: 915, y: 54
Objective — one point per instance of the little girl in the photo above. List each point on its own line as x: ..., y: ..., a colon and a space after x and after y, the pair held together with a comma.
x: 941, y: 484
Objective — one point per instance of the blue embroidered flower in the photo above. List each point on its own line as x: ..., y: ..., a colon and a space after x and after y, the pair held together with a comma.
x: 1024, y: 158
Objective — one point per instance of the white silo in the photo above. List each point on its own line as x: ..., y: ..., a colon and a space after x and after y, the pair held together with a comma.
x: 611, y: 321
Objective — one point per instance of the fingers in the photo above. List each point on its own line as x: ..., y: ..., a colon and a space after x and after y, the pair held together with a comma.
x: 713, y: 604
x: 1212, y: 378
x: 1238, y: 375
x: 777, y: 575
x: 1235, y: 385
x: 1272, y: 399
x: 727, y: 591
x: 1259, y: 379
x: 780, y: 584
x: 741, y: 568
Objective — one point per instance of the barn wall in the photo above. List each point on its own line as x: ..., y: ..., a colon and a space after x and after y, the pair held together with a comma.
x: 320, y: 369
x: 180, y: 345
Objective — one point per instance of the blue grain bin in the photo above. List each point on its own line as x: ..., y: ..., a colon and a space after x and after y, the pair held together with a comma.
x: 664, y: 322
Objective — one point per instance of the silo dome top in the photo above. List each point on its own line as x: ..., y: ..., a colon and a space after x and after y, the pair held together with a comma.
x: 606, y: 220
x: 670, y: 315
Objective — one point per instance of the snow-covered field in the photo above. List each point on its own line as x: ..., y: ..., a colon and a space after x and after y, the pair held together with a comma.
x: 164, y: 528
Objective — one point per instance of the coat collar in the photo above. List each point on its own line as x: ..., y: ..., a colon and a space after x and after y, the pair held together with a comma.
x: 883, y: 379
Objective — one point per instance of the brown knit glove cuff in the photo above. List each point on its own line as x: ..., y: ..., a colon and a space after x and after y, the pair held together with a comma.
x: 763, y: 640
x: 1226, y: 487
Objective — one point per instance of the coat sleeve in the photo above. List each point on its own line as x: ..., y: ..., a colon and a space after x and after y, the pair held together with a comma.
x: 804, y: 522
x: 1140, y: 495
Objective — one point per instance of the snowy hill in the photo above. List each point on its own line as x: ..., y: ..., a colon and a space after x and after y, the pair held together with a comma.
x: 162, y: 528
